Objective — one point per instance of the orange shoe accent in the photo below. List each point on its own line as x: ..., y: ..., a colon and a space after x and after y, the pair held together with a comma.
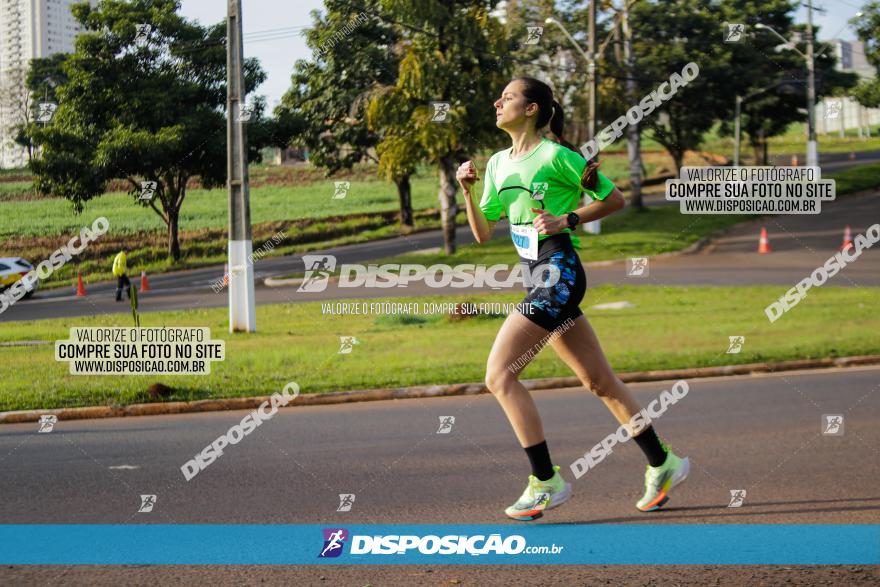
x: 660, y: 497
x: 529, y: 513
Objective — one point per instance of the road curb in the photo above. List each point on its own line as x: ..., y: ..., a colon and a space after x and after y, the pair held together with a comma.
x: 423, y: 391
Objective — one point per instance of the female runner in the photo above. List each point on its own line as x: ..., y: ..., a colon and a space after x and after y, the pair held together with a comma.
x: 538, y: 184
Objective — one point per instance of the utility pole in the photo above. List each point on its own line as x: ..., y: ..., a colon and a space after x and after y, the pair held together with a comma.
x: 591, y: 71
x: 242, y: 310
x: 595, y: 226
x: 633, y: 136
x: 738, y: 131
x: 812, y: 146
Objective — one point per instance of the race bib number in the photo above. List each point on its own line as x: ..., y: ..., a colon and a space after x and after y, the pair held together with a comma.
x: 525, y: 239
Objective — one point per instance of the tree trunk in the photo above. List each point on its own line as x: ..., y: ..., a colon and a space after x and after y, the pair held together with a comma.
x: 759, y: 150
x: 448, y: 206
x: 173, y: 241
x: 404, y: 194
x: 633, y: 147
x: 677, y: 159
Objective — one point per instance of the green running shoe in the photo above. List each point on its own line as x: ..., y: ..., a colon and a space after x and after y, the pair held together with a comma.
x: 540, y: 496
x: 659, y: 481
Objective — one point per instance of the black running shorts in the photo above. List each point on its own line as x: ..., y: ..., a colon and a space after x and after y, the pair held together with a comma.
x: 549, y: 306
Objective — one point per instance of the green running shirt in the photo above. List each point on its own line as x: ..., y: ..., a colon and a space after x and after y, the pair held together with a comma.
x: 550, y: 168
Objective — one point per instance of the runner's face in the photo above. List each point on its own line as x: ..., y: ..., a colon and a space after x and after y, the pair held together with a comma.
x: 511, y: 109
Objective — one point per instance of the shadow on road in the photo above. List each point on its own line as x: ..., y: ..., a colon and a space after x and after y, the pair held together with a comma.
x: 746, y: 509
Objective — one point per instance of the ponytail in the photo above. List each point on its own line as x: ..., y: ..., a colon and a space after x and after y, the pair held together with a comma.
x: 549, y: 110
x: 589, y: 178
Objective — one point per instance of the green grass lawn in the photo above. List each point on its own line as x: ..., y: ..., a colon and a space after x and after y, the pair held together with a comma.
x: 208, y: 208
x: 792, y: 141
x: 10, y: 190
x: 669, y: 327
x: 205, y: 209
x: 856, y: 179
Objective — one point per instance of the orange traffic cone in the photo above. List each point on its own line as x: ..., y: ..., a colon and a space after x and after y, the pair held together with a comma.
x: 80, y: 288
x: 847, y: 239
x: 764, y: 243
x: 225, y: 274
x: 145, y: 285
x: 794, y: 161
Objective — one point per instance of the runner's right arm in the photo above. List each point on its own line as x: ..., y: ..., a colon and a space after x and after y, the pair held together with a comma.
x: 482, y: 227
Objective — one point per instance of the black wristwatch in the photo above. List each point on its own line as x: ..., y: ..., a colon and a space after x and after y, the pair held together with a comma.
x: 573, y: 220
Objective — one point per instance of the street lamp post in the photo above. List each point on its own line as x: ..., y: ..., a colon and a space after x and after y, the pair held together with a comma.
x: 739, y: 101
x: 242, y: 305
x: 595, y: 226
x: 591, y: 75
x: 737, y: 121
x: 810, y: 57
x: 812, y: 146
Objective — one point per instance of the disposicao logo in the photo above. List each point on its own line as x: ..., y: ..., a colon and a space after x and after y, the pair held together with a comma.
x: 334, y: 540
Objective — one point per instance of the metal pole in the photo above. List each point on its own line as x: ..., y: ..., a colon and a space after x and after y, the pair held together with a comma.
x: 594, y: 227
x: 591, y: 71
x: 739, y: 101
x: 633, y: 137
x: 812, y: 146
x: 242, y: 310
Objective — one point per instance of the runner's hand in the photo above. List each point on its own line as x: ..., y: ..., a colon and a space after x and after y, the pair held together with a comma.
x: 466, y: 175
x: 547, y: 223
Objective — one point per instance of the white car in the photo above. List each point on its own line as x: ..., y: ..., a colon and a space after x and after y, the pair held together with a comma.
x: 14, y: 268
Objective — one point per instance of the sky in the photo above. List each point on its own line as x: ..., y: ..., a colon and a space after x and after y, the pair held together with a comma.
x: 279, y: 50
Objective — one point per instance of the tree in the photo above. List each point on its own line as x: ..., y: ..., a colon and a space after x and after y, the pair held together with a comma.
x: 667, y: 35
x: 325, y: 108
x: 142, y: 111
x: 450, y: 54
x: 43, y: 76
x: 551, y: 57
x: 868, y: 29
x: 761, y: 61
x: 867, y: 93
x: 15, y: 100
x: 399, y: 151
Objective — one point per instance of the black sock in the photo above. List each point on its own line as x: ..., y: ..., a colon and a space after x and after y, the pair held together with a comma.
x: 649, y: 442
x: 539, y: 457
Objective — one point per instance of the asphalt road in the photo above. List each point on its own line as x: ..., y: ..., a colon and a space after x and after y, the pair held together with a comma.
x: 757, y: 433
x: 800, y: 243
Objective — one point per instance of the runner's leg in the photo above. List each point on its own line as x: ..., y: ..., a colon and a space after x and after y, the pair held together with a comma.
x: 579, y: 348
x: 516, y: 342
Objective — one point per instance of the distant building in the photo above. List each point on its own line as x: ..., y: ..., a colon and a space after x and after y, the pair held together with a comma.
x: 288, y: 156
x: 838, y: 114
x: 851, y: 57
x: 28, y: 29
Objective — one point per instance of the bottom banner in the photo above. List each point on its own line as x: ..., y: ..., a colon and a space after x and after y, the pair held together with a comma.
x: 577, y: 544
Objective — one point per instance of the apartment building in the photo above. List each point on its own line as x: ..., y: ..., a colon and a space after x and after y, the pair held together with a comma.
x: 28, y: 29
